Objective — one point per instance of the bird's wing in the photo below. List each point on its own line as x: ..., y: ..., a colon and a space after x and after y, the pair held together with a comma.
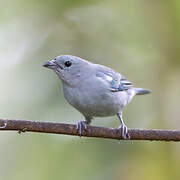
x: 124, y: 84
x: 116, y: 81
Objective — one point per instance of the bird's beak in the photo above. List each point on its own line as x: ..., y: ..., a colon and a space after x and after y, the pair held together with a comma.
x: 50, y: 64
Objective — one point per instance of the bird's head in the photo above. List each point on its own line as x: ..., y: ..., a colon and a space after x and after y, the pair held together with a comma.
x: 68, y: 68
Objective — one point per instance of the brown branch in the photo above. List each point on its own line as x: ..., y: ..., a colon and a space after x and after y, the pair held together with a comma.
x: 92, y: 131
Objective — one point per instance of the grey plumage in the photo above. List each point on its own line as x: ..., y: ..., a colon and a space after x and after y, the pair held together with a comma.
x: 141, y: 91
x: 93, y: 89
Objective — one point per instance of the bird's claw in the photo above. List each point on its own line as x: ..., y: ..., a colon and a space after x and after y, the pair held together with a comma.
x: 124, y: 131
x: 80, y: 126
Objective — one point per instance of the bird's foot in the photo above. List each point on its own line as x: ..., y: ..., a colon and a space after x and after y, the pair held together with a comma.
x: 124, y: 131
x: 80, y: 126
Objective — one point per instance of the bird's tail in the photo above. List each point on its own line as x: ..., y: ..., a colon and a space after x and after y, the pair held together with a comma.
x: 141, y: 91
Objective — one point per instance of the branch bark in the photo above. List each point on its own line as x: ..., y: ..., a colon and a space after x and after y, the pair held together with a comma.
x: 92, y: 131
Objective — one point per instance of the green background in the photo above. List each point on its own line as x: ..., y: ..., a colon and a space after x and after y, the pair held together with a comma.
x: 140, y: 39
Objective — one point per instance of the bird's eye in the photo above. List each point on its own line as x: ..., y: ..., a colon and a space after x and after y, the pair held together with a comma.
x: 68, y: 63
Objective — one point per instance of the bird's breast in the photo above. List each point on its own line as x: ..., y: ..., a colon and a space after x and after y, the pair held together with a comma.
x: 91, y: 101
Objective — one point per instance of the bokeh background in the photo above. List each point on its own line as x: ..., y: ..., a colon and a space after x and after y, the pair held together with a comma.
x: 140, y: 39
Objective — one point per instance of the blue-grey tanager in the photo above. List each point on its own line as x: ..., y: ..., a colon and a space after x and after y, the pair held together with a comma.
x: 93, y: 89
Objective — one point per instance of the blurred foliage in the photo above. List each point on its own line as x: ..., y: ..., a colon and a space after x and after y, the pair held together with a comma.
x: 140, y: 39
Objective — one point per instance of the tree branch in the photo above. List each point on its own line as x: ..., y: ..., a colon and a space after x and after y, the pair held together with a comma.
x: 92, y: 131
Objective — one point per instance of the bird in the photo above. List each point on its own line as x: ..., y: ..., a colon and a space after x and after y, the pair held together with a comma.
x: 94, y: 90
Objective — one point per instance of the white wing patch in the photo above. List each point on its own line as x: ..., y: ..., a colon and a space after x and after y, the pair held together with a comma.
x: 109, y: 78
